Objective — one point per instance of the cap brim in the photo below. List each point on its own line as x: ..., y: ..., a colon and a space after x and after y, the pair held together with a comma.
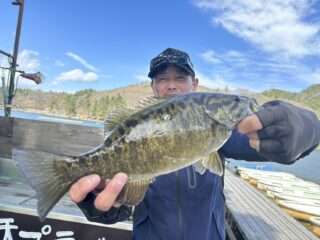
x: 154, y: 71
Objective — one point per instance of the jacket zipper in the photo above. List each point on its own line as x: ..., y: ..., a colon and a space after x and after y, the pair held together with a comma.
x: 180, y: 220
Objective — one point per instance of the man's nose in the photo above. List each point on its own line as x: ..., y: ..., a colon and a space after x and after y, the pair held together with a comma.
x: 171, y: 84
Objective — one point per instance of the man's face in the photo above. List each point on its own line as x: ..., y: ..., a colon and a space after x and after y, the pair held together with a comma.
x: 173, y: 81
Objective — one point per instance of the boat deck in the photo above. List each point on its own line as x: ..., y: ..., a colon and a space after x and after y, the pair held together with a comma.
x: 251, y: 215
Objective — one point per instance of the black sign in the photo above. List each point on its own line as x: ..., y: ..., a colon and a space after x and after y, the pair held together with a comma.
x: 14, y: 226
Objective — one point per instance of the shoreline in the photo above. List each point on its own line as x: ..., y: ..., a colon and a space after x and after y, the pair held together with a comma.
x: 50, y: 114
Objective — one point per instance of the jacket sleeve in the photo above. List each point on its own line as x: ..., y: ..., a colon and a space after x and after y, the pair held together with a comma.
x: 94, y: 215
x: 237, y: 147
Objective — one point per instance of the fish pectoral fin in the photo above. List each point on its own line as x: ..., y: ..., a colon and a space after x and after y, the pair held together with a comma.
x: 133, y: 192
x: 213, y: 163
x: 199, y: 168
x: 221, y: 117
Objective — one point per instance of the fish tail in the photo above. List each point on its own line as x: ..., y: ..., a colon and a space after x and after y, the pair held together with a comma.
x: 40, y: 170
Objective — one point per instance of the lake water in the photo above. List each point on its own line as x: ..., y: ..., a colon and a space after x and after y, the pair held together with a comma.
x: 307, y: 168
x: 43, y: 117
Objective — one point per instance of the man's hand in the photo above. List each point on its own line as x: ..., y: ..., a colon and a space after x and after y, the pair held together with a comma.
x: 282, y: 132
x: 250, y: 126
x: 108, y: 190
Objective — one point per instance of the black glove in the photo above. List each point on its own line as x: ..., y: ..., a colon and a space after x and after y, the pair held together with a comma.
x: 288, y: 133
x: 94, y: 215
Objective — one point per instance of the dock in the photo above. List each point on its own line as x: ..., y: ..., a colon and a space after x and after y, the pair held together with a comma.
x: 250, y: 215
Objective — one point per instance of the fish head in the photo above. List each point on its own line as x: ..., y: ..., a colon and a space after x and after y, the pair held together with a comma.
x: 229, y: 110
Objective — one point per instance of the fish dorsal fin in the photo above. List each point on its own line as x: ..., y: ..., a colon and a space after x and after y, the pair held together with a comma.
x: 148, y: 102
x: 116, y: 117
x: 119, y: 115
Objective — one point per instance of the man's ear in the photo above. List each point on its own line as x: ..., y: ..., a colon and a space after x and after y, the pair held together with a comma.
x: 195, y: 83
x: 154, y: 89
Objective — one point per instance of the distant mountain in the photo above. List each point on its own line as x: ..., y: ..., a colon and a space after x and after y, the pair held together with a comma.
x: 309, y: 97
x: 91, y: 104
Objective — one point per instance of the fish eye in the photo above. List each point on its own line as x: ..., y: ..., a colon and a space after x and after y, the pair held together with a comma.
x: 237, y: 99
x: 166, y: 117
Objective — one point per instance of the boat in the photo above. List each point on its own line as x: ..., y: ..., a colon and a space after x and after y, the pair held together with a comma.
x: 253, y: 176
x: 315, y: 228
x: 294, y: 190
x: 293, y: 198
x: 290, y: 185
x: 296, y: 199
x: 312, y: 210
x: 255, y: 173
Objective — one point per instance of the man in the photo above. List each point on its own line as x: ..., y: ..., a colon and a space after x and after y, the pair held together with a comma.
x: 185, y: 204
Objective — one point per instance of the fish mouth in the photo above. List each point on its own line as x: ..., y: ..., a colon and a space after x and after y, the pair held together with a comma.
x: 253, y: 105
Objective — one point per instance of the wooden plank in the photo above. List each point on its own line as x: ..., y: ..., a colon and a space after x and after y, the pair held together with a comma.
x: 256, y: 216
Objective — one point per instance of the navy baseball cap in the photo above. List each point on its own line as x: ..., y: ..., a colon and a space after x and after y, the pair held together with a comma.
x: 171, y: 56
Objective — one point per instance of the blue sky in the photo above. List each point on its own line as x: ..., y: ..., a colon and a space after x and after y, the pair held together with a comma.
x: 103, y: 45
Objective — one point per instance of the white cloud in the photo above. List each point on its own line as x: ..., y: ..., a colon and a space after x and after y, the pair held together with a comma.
x: 28, y: 61
x: 3, y: 61
x: 210, y: 57
x: 82, y: 61
x: 215, y: 81
x: 59, y: 63
x: 311, y: 76
x: 77, y: 75
x: 257, y: 72
x: 276, y: 26
x: 142, y: 78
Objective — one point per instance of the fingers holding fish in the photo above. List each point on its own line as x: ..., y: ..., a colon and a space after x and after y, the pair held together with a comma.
x: 250, y: 124
x: 107, y: 197
x: 255, y: 144
x: 80, y: 189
